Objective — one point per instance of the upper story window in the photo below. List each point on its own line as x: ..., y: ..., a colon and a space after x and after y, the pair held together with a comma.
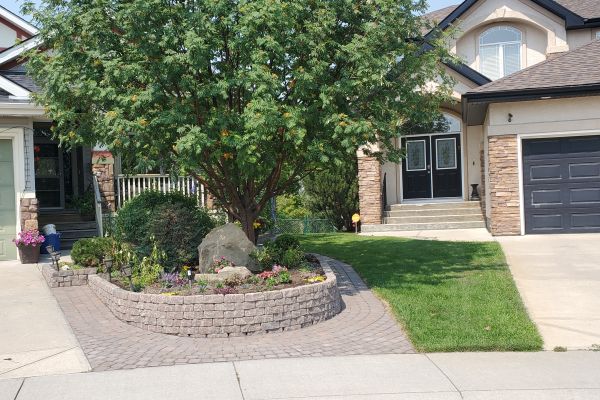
x: 500, y: 51
x: 598, y: 35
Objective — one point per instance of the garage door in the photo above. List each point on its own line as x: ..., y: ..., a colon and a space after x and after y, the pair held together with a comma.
x: 8, y: 250
x: 562, y: 185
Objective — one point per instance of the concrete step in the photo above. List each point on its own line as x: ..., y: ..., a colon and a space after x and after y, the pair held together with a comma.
x: 422, y: 226
x: 435, y: 206
x: 71, y: 226
x: 432, y: 212
x: 55, y: 218
x: 477, y: 217
x: 78, y: 233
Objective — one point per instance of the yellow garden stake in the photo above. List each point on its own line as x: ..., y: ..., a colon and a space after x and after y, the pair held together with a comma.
x: 355, y: 221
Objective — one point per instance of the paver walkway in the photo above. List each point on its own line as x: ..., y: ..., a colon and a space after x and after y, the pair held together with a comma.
x: 363, y: 327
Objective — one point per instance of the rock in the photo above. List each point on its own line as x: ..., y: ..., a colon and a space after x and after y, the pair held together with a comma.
x: 227, y: 241
x: 242, y: 272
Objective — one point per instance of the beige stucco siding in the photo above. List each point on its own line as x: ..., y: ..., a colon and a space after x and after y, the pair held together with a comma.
x: 474, y: 146
x: 545, y: 116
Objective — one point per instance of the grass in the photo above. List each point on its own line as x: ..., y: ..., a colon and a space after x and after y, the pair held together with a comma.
x: 449, y: 296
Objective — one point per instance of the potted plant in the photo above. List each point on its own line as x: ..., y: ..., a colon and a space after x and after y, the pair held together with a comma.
x: 28, y: 243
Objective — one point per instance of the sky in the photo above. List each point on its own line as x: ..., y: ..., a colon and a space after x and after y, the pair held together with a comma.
x: 15, y: 5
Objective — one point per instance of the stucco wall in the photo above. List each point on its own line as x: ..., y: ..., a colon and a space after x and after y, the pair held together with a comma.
x: 473, y: 147
x: 544, y: 116
x: 8, y: 36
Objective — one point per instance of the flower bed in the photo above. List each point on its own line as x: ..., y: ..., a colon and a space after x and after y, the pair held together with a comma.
x: 224, y: 315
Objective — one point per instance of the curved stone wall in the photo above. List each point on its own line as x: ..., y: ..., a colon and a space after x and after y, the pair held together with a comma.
x: 217, y: 315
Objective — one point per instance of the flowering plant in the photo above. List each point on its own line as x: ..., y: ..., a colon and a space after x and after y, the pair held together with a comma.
x: 29, y: 238
x: 276, y: 270
x: 218, y: 264
x: 171, y: 279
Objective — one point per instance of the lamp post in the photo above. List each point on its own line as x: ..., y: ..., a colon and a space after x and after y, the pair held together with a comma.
x: 127, y: 271
x: 55, y: 256
x: 108, y: 262
x: 190, y: 275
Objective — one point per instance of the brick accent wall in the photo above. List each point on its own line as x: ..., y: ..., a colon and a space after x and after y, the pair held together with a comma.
x: 103, y: 166
x: 505, y: 218
x: 29, y: 214
x: 369, y: 190
x: 217, y: 315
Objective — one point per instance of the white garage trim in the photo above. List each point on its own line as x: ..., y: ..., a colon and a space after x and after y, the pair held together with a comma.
x: 549, y: 135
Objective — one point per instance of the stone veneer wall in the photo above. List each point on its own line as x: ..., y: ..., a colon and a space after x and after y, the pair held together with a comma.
x: 369, y: 190
x: 505, y: 218
x: 103, y: 166
x: 217, y: 315
x: 482, y: 188
x: 29, y: 214
x: 72, y: 277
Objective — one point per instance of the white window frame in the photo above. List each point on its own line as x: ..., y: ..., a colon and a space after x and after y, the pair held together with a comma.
x: 437, y: 140
x: 501, y: 46
x: 424, y: 155
x: 598, y: 35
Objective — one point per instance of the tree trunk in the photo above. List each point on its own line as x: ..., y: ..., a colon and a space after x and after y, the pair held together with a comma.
x: 247, y: 221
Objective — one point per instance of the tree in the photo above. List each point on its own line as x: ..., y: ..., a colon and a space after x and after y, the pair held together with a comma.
x: 333, y: 192
x: 247, y: 96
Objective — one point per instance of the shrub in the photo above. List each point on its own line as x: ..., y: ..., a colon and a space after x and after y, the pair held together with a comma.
x: 292, y: 258
x: 285, y: 241
x: 174, y: 220
x: 90, y: 252
x: 149, y: 270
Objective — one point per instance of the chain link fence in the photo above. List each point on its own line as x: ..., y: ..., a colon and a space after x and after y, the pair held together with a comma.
x: 303, y: 226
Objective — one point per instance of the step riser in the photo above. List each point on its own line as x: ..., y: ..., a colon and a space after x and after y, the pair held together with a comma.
x: 430, y: 206
x: 421, y: 227
x: 432, y: 213
x: 79, y: 234
x: 434, y: 219
x: 57, y: 219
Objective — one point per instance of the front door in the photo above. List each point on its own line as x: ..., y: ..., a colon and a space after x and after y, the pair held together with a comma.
x: 432, y: 167
x: 49, y: 183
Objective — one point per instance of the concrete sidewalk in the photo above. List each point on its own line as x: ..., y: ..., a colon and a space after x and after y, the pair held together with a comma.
x: 514, y: 376
x: 35, y: 338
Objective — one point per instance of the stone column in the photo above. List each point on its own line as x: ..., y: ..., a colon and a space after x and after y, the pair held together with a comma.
x: 505, y: 218
x: 103, y: 167
x: 369, y: 189
x: 29, y: 214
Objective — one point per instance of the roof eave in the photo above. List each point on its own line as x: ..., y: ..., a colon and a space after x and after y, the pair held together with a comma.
x: 483, y: 100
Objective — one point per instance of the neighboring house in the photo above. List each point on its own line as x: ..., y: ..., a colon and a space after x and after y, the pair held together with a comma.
x: 39, y: 180
x: 525, y: 127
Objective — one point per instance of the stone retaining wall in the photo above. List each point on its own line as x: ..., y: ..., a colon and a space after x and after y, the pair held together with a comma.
x: 72, y: 277
x: 217, y: 315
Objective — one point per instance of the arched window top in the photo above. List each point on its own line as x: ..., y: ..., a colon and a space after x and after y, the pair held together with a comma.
x: 500, y: 35
x: 453, y: 123
x: 500, y: 51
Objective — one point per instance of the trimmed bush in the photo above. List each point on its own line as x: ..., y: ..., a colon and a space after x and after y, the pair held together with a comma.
x: 172, y: 219
x: 285, y: 241
x: 90, y: 252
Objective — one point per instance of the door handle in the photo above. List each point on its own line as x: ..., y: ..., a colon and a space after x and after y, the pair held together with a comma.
x: 429, y: 168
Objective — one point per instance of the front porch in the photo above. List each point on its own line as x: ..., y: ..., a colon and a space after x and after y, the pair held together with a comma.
x: 431, y: 188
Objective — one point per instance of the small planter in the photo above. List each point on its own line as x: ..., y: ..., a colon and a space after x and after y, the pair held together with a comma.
x: 29, y: 254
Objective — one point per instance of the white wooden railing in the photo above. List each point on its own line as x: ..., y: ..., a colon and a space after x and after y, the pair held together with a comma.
x: 129, y: 186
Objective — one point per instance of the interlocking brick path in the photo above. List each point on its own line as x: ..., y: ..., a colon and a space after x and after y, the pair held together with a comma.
x: 363, y: 327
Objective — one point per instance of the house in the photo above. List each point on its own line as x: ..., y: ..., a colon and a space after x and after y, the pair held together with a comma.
x: 39, y: 180
x: 523, y: 132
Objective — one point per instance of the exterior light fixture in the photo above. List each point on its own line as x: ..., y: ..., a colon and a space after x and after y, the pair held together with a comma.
x: 55, y: 256
x: 190, y: 276
x: 127, y: 271
x: 108, y: 263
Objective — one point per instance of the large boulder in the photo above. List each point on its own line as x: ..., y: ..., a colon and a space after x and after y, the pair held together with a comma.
x: 227, y: 241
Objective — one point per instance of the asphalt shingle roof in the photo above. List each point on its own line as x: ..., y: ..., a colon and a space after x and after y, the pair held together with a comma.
x: 20, y: 78
x: 578, y: 67
x: 438, y: 15
x: 583, y: 8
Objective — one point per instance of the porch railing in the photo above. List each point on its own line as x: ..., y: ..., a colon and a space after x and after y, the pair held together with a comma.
x: 98, y: 206
x: 130, y: 186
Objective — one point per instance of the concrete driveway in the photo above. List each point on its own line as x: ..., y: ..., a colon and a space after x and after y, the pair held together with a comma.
x: 35, y: 338
x: 558, y: 277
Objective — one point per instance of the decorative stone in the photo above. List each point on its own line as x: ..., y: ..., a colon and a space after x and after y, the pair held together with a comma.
x: 227, y: 272
x: 227, y: 241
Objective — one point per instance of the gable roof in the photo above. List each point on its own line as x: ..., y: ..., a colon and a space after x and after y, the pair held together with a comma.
x: 17, y: 21
x: 576, y: 13
x: 574, y: 68
x: 437, y: 16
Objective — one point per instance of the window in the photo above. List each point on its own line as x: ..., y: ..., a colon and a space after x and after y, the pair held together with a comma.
x: 500, y: 52
x: 598, y: 35
x: 415, y: 155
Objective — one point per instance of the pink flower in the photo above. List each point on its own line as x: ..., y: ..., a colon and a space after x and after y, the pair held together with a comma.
x: 29, y: 238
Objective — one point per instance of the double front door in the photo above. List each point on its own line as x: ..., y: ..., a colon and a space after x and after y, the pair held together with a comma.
x: 432, y: 167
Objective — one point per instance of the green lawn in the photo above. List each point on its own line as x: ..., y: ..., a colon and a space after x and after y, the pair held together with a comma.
x: 449, y: 296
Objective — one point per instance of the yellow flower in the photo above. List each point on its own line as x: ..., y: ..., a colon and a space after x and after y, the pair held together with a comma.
x: 224, y: 133
x: 228, y: 156
x: 256, y: 224
x: 315, y: 279
x: 134, y: 98
x: 343, y: 124
x: 287, y: 115
x: 143, y: 122
x: 111, y: 114
x: 72, y: 135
